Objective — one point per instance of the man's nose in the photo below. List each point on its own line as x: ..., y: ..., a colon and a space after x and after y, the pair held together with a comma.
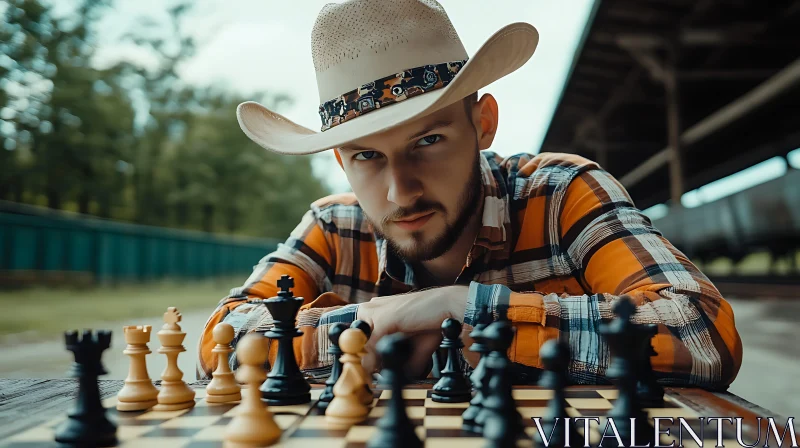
x: 404, y: 186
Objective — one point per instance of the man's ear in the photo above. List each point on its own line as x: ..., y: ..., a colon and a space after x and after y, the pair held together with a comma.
x: 487, y: 120
x: 338, y: 157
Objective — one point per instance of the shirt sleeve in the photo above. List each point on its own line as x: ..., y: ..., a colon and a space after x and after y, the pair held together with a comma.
x: 616, y: 251
x: 308, y: 257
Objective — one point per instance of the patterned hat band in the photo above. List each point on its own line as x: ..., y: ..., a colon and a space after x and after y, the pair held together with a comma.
x: 385, y: 91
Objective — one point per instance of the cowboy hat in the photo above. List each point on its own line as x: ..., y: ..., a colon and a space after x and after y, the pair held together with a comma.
x: 382, y: 63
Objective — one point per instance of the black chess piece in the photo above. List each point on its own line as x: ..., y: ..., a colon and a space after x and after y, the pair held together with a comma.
x: 623, y: 338
x: 499, y: 418
x: 479, y: 374
x: 651, y: 394
x: 452, y: 387
x: 334, y: 332
x: 285, y: 384
x: 555, y: 358
x: 87, y: 424
x: 395, y: 429
x: 363, y: 326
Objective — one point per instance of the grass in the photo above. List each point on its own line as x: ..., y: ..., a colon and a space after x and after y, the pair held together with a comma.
x: 757, y: 263
x: 38, y: 313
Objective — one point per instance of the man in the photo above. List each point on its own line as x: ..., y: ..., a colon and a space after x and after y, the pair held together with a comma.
x: 437, y: 227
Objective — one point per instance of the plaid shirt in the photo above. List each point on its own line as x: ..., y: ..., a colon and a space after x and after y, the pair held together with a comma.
x: 560, y: 241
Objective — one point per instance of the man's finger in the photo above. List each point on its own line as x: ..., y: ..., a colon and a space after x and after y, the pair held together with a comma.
x: 371, y: 360
x: 425, y: 344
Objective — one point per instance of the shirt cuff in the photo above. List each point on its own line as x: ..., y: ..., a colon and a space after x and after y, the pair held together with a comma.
x: 346, y: 314
x: 494, y: 297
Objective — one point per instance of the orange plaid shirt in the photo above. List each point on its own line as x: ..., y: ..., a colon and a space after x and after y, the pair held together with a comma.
x: 560, y: 241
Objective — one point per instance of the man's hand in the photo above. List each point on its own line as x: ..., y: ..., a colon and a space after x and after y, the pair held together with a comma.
x: 418, y: 314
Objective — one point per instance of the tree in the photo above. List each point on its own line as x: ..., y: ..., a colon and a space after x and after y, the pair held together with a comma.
x: 237, y: 185
x: 72, y: 140
x: 68, y: 120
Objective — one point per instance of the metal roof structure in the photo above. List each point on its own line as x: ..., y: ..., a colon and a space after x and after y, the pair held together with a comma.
x: 669, y: 95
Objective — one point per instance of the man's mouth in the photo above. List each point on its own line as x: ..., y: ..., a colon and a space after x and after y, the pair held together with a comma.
x: 414, y: 222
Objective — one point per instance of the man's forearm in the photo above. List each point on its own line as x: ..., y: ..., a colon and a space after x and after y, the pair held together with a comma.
x: 247, y: 316
x: 693, y: 348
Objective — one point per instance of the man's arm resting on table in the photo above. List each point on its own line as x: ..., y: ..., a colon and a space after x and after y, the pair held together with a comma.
x: 692, y: 349
x: 307, y: 257
x: 616, y: 251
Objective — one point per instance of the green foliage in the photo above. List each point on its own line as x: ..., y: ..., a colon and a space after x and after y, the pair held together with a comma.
x: 73, y: 138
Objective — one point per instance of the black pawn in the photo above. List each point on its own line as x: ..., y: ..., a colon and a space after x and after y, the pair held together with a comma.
x: 479, y: 375
x: 500, y: 419
x: 555, y: 358
x: 624, y: 341
x: 395, y: 429
x: 334, y: 332
x: 363, y: 326
x: 87, y: 424
x: 285, y: 384
x: 651, y: 394
x: 367, y: 330
x: 452, y: 387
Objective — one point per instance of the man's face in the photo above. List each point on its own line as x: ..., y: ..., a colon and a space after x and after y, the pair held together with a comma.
x: 418, y: 183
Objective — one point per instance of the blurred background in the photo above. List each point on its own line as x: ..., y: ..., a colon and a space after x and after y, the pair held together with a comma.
x: 126, y: 185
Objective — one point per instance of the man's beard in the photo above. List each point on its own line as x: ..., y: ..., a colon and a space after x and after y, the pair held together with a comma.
x: 419, y: 250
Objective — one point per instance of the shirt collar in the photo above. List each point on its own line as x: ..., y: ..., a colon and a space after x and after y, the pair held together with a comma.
x: 492, y: 235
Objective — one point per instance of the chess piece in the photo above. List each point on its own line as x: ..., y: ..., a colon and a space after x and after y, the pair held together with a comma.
x: 87, y: 424
x: 252, y: 424
x: 555, y: 358
x: 175, y: 394
x: 452, y: 387
x: 479, y: 374
x: 223, y: 387
x: 285, y: 384
x: 138, y: 393
x: 367, y: 396
x: 651, y: 394
x: 334, y: 333
x: 395, y: 429
x: 347, y: 408
x: 624, y: 342
x: 499, y: 418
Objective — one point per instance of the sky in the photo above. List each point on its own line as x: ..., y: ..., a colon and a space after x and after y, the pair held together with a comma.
x: 265, y: 45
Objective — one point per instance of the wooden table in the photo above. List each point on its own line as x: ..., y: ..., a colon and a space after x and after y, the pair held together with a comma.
x: 25, y: 403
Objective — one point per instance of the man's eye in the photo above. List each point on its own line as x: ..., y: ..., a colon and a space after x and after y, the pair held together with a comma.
x: 430, y: 139
x: 366, y: 155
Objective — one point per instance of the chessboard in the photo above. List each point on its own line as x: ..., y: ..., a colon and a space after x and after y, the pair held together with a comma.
x: 175, y: 415
x: 437, y: 424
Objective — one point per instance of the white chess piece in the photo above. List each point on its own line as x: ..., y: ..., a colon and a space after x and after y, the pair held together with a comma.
x: 175, y: 394
x: 347, y: 406
x: 223, y: 387
x: 138, y: 393
x: 252, y: 424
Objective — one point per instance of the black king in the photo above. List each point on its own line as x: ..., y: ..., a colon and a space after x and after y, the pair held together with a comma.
x: 285, y: 384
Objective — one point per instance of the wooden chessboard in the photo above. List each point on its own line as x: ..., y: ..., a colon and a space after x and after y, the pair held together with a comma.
x: 438, y: 424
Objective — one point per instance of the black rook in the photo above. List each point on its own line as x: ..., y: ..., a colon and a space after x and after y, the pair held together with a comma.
x: 87, y: 424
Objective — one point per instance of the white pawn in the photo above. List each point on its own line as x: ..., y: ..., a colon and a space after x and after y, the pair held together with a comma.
x: 252, y: 423
x: 175, y: 394
x: 223, y: 387
x: 138, y: 393
x: 347, y: 407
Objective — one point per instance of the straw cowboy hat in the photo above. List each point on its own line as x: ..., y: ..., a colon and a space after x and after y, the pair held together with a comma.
x: 382, y: 63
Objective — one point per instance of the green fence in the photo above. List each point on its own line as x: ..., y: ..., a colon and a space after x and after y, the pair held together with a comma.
x: 43, y: 245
